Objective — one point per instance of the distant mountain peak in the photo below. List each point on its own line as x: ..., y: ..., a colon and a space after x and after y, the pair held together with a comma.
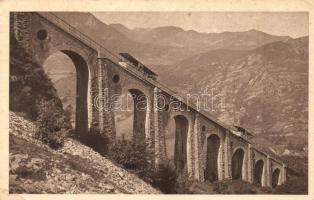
x: 169, y: 28
x: 118, y: 25
x: 254, y: 30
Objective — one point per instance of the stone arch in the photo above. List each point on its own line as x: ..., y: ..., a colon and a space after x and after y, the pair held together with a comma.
x: 89, y: 56
x: 238, y: 164
x: 185, y: 114
x: 212, y: 158
x: 82, y: 89
x: 170, y: 131
x: 258, y: 172
x: 70, y: 47
x: 133, y: 100
x: 275, y: 177
x: 180, y: 149
x: 139, y: 114
x: 126, y: 86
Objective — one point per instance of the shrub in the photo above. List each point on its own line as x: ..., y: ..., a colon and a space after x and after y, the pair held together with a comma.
x: 294, y: 185
x: 133, y: 155
x: 165, y: 178
x: 53, y: 123
x: 183, y: 185
x: 234, y: 187
x: 222, y: 188
x: 97, y: 141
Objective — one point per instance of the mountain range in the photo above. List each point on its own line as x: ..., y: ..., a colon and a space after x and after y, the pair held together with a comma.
x: 262, y: 78
x: 177, y: 37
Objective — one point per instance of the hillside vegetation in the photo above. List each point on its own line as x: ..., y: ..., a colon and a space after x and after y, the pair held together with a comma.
x: 75, y: 168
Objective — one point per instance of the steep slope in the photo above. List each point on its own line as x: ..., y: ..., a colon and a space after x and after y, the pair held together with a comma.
x: 264, y: 90
x: 36, y: 168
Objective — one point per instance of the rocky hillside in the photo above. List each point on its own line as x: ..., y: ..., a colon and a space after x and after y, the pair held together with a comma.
x: 264, y: 90
x: 36, y: 168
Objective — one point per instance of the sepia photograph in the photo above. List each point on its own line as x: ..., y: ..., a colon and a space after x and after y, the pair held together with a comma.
x: 158, y: 102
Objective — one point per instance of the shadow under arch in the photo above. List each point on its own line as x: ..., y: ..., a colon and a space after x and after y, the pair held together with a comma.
x: 237, y: 164
x: 213, y: 145
x: 275, y: 178
x: 258, y: 172
x: 180, y: 150
x: 139, y: 114
x: 81, y: 101
x: 130, y: 111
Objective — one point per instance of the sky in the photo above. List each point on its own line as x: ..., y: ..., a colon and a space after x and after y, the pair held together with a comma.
x: 293, y: 24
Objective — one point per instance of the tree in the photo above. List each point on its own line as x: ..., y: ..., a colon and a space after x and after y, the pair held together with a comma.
x: 28, y: 82
x: 53, y: 123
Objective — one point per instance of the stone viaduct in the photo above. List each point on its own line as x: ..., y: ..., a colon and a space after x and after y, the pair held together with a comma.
x: 199, y: 145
